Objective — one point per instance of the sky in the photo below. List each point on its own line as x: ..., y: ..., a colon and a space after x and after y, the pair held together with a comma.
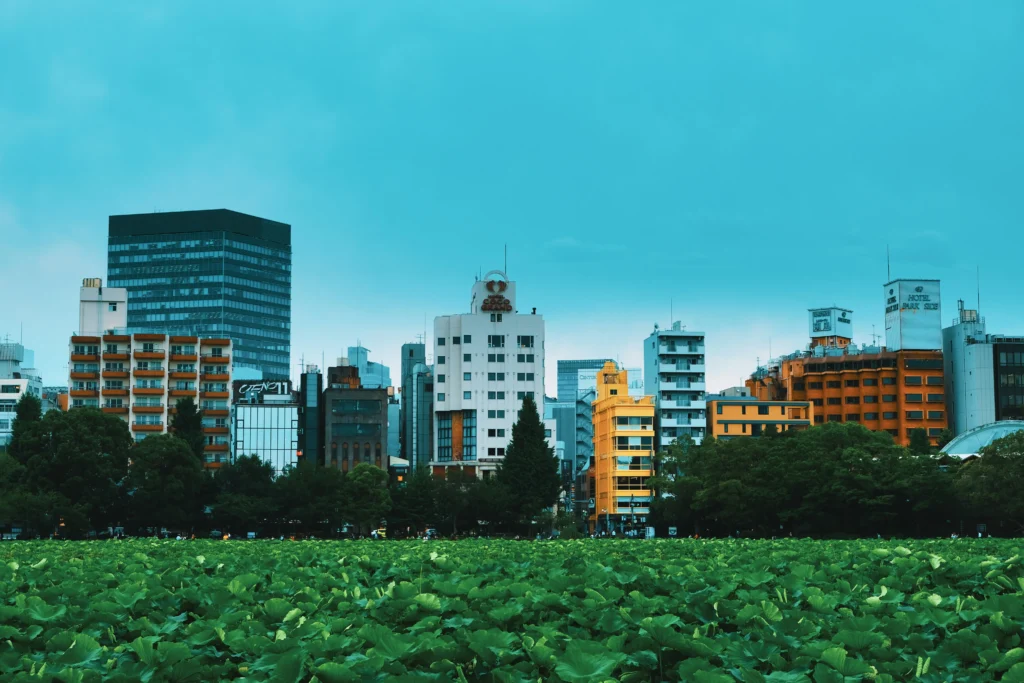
x: 730, y: 164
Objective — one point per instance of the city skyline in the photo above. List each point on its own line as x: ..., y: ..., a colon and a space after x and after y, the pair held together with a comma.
x: 736, y: 168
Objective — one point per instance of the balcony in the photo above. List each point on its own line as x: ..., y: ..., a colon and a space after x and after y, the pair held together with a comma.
x: 213, y: 394
x: 178, y: 339
x: 215, y: 341
x: 681, y: 348
x: 674, y: 422
x: 147, y: 427
x: 216, y: 376
x: 215, y: 359
x: 215, y: 430
x: 213, y: 465
x: 119, y: 355
x: 184, y: 374
x: 147, y: 410
x: 698, y: 386
x: 115, y: 410
x: 114, y: 392
x: 184, y: 357
x: 675, y: 404
x: 699, y: 405
x: 148, y: 391
x: 91, y: 374
x: 155, y: 354
x: 115, y: 374
x: 215, y: 412
x: 215, y: 447
x: 152, y: 372
x: 85, y: 358
x: 79, y: 339
x: 146, y: 337
x: 181, y: 393
x: 116, y: 339
x: 84, y: 393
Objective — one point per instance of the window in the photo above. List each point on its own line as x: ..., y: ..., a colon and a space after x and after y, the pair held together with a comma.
x: 467, y: 357
x: 440, y: 360
x: 870, y: 382
x: 495, y: 451
x: 912, y: 380
x: 914, y: 398
x: 495, y: 358
x: 814, y: 385
x: 936, y: 414
x: 525, y: 358
x: 495, y: 376
x: 440, y: 396
x: 456, y: 340
x: 934, y: 431
x: 818, y: 401
x: 111, y: 348
x: 523, y: 394
x: 852, y: 383
x: 495, y: 317
x: 935, y: 398
x: 467, y: 338
x: 798, y: 386
x: 496, y: 414
x: 496, y: 395
x: 634, y: 443
x: 112, y: 306
x: 889, y: 398
x: 853, y: 400
x: 853, y: 417
x: 148, y: 347
x: 467, y: 376
x: 467, y: 395
x: 524, y: 341
x: 871, y: 399
x: 934, y: 381
x: 11, y: 388
x: 440, y: 341
x: 833, y: 384
x: 818, y: 419
x: 762, y: 410
x: 915, y: 414
x: 835, y: 401
x: 889, y: 416
x: 638, y: 422
x: 440, y: 378
x: 525, y: 376
x: 496, y: 341
x: 835, y: 418
x: 870, y: 417
x: 888, y: 380
x: 496, y: 432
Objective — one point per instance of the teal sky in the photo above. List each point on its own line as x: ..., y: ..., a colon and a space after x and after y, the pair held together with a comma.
x: 743, y: 160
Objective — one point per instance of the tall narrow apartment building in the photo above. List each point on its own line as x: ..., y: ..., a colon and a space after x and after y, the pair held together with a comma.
x: 674, y: 375
x: 141, y: 377
x: 485, y: 363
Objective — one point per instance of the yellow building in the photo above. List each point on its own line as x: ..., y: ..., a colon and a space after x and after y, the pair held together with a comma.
x: 729, y: 418
x: 623, y: 455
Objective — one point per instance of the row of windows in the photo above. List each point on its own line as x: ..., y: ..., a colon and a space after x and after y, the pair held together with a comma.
x: 633, y: 443
x: 492, y: 358
x: 491, y: 395
x: 494, y: 341
x: 871, y: 417
x: 1011, y: 358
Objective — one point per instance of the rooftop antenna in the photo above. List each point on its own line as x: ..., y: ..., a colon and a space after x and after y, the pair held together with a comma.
x: 874, y: 337
x: 505, y: 269
x: 978, y: 280
x: 671, y: 312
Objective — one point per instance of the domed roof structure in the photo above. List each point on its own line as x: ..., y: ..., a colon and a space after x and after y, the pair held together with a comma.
x: 971, y: 442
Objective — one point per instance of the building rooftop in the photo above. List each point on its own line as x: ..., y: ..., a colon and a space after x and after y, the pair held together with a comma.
x: 210, y: 220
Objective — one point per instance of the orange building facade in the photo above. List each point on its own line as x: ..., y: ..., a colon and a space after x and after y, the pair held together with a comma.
x: 141, y: 377
x: 729, y: 418
x: 891, y: 391
x: 623, y: 454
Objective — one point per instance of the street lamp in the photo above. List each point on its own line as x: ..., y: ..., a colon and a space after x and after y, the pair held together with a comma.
x: 607, y: 519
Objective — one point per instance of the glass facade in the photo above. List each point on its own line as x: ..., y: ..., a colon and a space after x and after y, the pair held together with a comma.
x: 568, y: 375
x: 209, y: 273
x: 269, y: 432
x: 1009, y: 381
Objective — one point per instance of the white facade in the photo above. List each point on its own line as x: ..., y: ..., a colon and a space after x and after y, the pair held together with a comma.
x: 101, y: 310
x: 11, y: 391
x: 485, y: 362
x: 674, y: 375
x: 830, y: 322
x: 913, y: 315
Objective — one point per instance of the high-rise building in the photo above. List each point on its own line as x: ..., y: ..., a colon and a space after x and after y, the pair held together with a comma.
x: 265, y: 422
x: 417, y: 414
x: 984, y: 373
x: 730, y: 417
x: 144, y: 375
x: 355, y: 422
x: 486, y: 362
x: 569, y: 376
x: 310, y: 430
x: 372, y: 375
x: 17, y: 379
x: 674, y: 374
x: 623, y: 454
x: 214, y: 273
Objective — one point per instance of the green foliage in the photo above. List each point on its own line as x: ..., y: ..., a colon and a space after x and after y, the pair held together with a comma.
x: 784, y: 611
x: 991, y: 485
x: 919, y: 442
x: 25, y: 432
x: 367, y: 496
x: 187, y: 424
x: 529, y: 471
x: 165, y: 484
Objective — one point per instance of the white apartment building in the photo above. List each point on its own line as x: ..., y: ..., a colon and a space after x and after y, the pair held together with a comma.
x: 485, y: 363
x: 674, y: 375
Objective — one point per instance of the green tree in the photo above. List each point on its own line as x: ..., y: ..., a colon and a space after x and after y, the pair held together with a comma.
x: 187, y: 424
x: 529, y: 471
x: 989, y: 487
x: 414, y: 501
x: 165, y: 484
x: 26, y: 438
x: 368, y: 498
x: 945, y: 436
x: 83, y: 459
x: 245, y: 495
x: 312, y: 498
x: 919, y: 442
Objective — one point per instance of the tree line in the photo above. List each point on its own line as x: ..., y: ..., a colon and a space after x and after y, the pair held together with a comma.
x: 74, y: 474
x: 837, y: 480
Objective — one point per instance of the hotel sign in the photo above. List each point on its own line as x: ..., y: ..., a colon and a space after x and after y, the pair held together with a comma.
x: 830, y: 322
x: 496, y: 300
x: 913, y: 315
x: 242, y: 388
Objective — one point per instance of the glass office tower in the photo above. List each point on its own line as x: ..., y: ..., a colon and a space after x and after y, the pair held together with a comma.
x: 212, y: 273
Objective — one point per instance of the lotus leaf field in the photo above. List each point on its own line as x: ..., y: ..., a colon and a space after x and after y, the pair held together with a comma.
x: 591, y: 610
